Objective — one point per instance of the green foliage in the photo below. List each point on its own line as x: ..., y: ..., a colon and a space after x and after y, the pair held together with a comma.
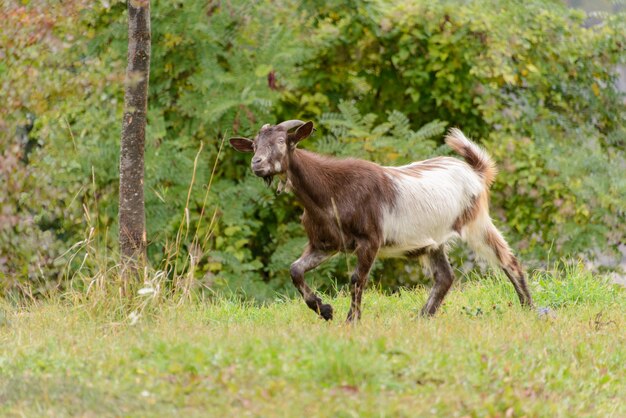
x: 355, y: 135
x: 44, y: 191
x: 526, y: 79
x: 380, y: 79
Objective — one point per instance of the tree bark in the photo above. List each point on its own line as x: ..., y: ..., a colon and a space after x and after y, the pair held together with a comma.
x: 132, y: 221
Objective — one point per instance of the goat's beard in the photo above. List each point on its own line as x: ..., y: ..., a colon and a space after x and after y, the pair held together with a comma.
x: 268, y: 180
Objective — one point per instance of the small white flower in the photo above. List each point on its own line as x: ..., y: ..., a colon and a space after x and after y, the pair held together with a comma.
x: 134, y: 317
x: 145, y: 291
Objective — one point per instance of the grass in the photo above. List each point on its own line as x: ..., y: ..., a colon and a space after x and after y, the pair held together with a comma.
x: 482, y: 355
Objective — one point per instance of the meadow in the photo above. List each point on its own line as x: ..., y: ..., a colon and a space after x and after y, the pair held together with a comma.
x: 100, y: 354
x: 215, y: 330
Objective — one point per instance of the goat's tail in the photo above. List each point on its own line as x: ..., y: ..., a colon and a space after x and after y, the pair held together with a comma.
x: 475, y: 156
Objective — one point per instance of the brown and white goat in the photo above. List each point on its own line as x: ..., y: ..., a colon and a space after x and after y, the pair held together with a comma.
x: 360, y: 207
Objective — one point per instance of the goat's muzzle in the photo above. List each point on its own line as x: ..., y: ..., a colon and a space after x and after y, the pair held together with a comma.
x: 261, y: 170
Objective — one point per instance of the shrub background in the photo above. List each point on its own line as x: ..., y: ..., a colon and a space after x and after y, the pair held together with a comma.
x: 529, y: 80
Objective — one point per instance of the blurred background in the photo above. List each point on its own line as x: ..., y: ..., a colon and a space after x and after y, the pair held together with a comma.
x: 540, y: 84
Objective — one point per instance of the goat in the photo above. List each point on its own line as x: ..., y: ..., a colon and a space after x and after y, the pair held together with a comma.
x: 412, y: 211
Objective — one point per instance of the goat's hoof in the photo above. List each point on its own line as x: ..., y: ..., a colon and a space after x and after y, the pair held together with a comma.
x: 425, y: 314
x: 352, y: 319
x: 326, y: 311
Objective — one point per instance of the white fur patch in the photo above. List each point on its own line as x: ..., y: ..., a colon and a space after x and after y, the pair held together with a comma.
x: 427, y: 206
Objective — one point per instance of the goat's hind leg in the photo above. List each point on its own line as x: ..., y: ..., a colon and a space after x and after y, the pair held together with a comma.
x: 443, y: 277
x: 492, y: 246
x: 309, y: 260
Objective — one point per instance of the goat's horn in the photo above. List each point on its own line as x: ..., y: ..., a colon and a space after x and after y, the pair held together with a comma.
x: 290, y: 124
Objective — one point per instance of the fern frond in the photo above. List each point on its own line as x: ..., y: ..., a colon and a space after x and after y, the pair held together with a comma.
x: 430, y: 130
x: 400, y: 123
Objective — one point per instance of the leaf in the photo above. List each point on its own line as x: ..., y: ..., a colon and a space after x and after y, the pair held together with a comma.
x: 532, y: 68
x: 263, y: 70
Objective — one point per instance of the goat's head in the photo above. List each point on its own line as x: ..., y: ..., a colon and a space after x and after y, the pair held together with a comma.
x: 272, y: 147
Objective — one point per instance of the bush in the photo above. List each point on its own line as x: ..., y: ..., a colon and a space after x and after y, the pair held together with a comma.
x: 529, y: 81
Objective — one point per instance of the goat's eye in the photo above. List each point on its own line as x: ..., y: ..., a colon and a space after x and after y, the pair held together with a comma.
x: 281, y: 140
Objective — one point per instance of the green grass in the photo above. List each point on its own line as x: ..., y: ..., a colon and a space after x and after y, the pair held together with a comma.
x: 482, y: 355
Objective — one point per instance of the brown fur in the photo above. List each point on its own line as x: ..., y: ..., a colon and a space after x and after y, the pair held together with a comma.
x: 443, y: 276
x: 417, y: 169
x: 476, y: 206
x: 416, y: 253
x: 342, y: 199
x: 342, y: 202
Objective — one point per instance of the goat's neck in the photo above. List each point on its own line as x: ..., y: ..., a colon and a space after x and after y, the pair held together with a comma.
x: 306, y: 173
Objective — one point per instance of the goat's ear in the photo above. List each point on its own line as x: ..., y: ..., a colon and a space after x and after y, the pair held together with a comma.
x: 302, y: 132
x: 242, y: 144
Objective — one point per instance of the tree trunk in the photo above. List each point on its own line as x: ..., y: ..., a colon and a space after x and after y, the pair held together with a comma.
x: 132, y: 219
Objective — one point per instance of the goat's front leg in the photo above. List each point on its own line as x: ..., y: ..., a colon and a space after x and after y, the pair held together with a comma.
x: 366, y: 254
x: 309, y: 260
